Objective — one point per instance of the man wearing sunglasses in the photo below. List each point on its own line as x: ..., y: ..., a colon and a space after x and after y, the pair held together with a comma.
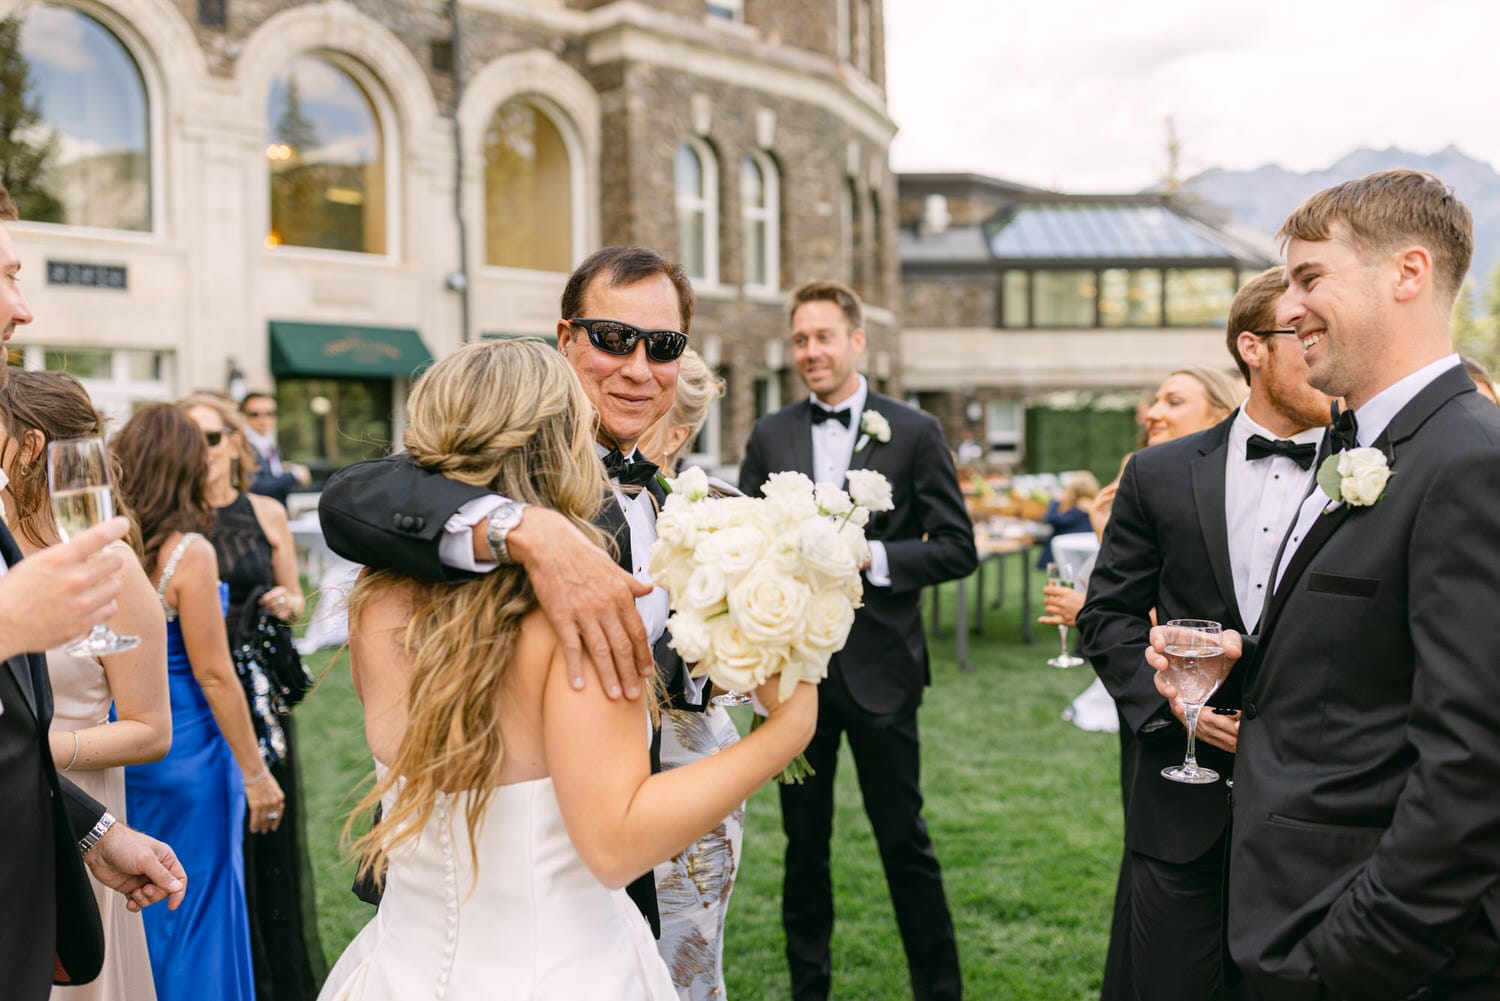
x: 1195, y: 527
x: 625, y: 313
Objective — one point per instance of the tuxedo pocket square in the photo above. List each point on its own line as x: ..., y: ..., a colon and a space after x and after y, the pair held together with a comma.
x: 1352, y: 587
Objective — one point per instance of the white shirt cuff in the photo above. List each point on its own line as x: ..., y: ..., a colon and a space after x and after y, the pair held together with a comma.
x: 456, y: 547
x: 879, y: 571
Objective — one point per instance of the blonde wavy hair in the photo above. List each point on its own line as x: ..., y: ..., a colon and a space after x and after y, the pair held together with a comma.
x: 512, y: 418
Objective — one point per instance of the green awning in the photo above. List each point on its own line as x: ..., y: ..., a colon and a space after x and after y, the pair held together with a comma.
x: 346, y: 351
x: 493, y: 335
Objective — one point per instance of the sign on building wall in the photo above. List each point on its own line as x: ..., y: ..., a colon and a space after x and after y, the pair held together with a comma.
x: 109, y: 276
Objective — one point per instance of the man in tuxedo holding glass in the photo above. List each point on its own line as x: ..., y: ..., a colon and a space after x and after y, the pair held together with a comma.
x: 49, y: 926
x: 1196, y: 525
x: 875, y: 683
x: 1365, y: 852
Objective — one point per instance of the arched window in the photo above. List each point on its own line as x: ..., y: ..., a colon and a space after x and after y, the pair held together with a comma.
x: 327, y: 157
x: 697, y: 211
x: 760, y: 220
x: 77, y: 149
x: 528, y: 190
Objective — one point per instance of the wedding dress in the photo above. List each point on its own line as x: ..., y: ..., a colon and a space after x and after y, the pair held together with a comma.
x: 532, y: 923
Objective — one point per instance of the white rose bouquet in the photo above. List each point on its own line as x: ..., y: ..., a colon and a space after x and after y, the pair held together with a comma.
x: 764, y: 588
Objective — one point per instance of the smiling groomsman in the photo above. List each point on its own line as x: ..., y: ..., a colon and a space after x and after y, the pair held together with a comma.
x: 875, y: 683
x: 1365, y: 853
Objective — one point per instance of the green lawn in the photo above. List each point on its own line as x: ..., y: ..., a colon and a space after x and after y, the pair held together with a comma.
x: 1023, y: 809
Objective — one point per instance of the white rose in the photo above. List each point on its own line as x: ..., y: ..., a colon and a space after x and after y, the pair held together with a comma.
x: 854, y: 540
x: 768, y: 607
x: 785, y: 553
x: 859, y: 517
x: 787, y: 484
x: 829, y: 617
x: 705, y: 588
x: 874, y: 424
x: 690, y: 637
x: 823, y: 549
x: 738, y: 664
x: 691, y: 484
x: 832, y: 500
x: 1363, y: 473
x: 734, y: 549
x: 677, y: 525
x: 670, y: 567
x: 870, y: 489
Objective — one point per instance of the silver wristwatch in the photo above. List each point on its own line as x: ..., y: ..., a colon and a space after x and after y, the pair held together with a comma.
x: 100, y: 828
x: 504, y: 518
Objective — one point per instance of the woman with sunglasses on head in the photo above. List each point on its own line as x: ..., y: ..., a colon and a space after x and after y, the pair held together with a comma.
x: 37, y: 408
x: 198, y: 795
x: 693, y: 888
x: 516, y: 807
x: 257, y: 557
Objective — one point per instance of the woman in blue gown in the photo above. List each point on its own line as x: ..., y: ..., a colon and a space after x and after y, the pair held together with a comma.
x: 195, y: 797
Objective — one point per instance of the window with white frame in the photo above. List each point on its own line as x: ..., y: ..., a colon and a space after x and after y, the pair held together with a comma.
x: 760, y: 221
x: 726, y: 10
x: 118, y: 380
x: 528, y: 190
x: 79, y: 128
x: 326, y: 153
x: 1005, y: 425
x: 697, y: 178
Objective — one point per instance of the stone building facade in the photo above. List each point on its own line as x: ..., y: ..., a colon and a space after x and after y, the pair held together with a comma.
x: 335, y: 189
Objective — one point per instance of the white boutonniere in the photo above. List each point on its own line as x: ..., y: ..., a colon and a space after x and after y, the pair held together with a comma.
x: 872, y: 424
x: 1356, y: 476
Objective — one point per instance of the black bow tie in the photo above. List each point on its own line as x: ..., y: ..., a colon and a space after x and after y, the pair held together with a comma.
x: 629, y: 472
x: 1259, y: 447
x: 1344, y: 432
x: 819, y: 415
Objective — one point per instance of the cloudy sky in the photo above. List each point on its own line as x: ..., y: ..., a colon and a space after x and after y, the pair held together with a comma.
x: 1074, y: 94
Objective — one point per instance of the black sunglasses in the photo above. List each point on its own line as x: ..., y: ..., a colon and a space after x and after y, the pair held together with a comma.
x: 214, y: 437
x: 1273, y: 333
x: 617, y: 338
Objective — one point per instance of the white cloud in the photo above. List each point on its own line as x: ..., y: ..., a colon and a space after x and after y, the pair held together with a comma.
x: 1075, y: 93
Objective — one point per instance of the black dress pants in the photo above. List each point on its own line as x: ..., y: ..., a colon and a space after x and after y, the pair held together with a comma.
x: 887, y: 756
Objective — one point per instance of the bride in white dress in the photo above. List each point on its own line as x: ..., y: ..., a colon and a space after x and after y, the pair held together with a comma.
x: 515, y: 809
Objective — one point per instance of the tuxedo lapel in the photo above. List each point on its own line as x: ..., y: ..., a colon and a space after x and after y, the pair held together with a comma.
x: 20, y: 664
x: 612, y: 519
x: 1208, y: 472
x: 802, y: 450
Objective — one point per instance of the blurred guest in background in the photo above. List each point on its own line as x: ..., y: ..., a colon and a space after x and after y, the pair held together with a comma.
x: 37, y: 408
x: 273, y: 478
x: 692, y: 890
x: 197, y: 795
x: 1068, y: 512
x: 258, y: 560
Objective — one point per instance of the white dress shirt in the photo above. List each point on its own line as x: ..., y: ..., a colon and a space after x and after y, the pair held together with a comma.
x: 832, y: 448
x: 1261, y: 497
x: 1372, y: 420
x: 265, y: 448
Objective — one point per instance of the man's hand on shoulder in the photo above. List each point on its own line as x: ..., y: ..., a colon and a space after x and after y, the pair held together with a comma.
x: 588, y: 598
x: 61, y: 592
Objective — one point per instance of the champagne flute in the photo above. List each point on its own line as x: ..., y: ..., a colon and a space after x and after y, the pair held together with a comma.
x: 1196, y: 666
x: 1061, y: 575
x: 82, y: 497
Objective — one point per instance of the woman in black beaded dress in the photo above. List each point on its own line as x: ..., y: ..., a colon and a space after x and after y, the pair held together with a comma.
x: 255, y: 549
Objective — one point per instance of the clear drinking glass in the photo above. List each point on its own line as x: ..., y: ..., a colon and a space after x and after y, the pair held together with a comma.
x: 82, y: 497
x: 1196, y: 666
x: 1061, y: 575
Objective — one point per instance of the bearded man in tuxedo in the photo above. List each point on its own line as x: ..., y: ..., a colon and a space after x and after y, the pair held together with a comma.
x: 49, y: 927
x: 1365, y: 851
x: 875, y: 683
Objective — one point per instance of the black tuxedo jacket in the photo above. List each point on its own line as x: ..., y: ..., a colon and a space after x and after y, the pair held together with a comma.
x: 928, y: 538
x: 1166, y: 548
x: 1366, y: 838
x: 50, y: 912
